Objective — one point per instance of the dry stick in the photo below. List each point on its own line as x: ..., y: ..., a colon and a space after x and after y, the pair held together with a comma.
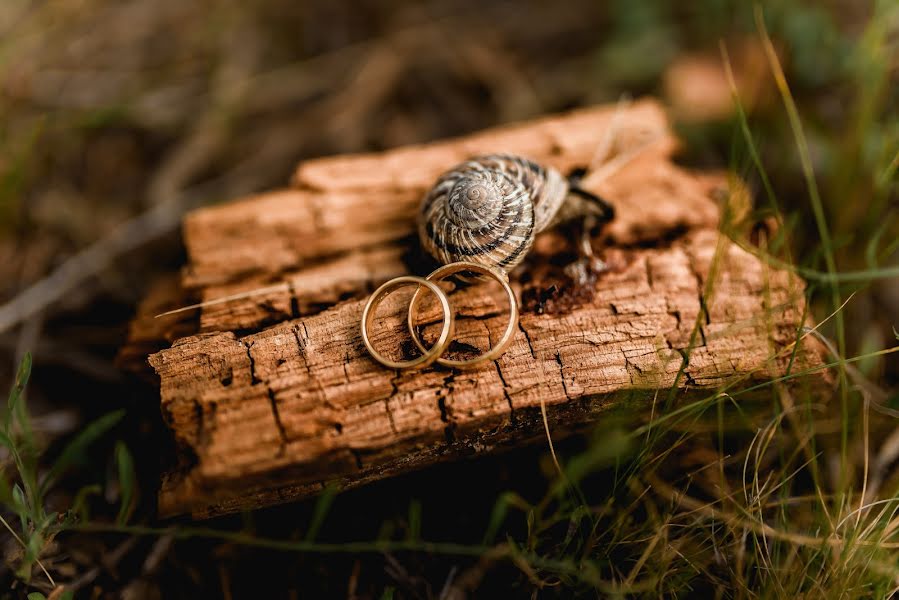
x: 109, y: 561
x: 155, y: 222
x: 240, y: 296
x: 169, y: 203
x: 89, y: 262
x: 152, y: 224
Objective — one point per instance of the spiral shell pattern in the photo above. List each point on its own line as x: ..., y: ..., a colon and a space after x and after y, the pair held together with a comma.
x: 488, y: 209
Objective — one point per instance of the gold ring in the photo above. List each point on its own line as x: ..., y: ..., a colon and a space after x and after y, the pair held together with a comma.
x: 428, y: 356
x: 457, y: 267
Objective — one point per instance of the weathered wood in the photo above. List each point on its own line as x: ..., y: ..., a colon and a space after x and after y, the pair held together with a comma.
x: 265, y: 416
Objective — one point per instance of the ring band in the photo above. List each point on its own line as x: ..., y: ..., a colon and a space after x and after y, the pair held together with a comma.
x: 428, y: 356
x: 451, y: 269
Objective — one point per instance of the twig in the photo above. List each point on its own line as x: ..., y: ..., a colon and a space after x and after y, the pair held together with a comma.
x: 108, y: 561
x: 157, y: 553
x: 240, y: 296
x: 151, y: 225
x: 447, y: 585
x: 166, y: 194
x: 89, y: 262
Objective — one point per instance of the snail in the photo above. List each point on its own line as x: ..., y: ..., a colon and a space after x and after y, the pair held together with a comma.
x: 489, y: 208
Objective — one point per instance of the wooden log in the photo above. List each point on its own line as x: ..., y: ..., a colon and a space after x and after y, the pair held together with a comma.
x: 266, y: 413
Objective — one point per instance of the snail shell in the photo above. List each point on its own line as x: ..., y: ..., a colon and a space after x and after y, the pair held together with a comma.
x: 488, y: 209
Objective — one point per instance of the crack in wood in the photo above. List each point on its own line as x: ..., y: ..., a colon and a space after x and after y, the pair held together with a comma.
x: 628, y: 365
x: 346, y: 370
x: 390, y: 417
x: 270, y: 393
x: 700, y: 293
x: 527, y: 338
x: 449, y: 429
x: 201, y: 421
x: 685, y: 365
x: 277, y: 416
x: 499, y: 372
x: 294, y: 300
x: 357, y: 457
x: 562, y: 375
x: 394, y: 383
x: 301, y: 346
x: 253, y: 378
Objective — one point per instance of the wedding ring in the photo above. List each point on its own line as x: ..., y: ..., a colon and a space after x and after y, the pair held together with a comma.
x: 428, y: 356
x: 458, y: 267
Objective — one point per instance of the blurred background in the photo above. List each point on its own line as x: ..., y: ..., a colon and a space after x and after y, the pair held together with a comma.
x: 116, y: 117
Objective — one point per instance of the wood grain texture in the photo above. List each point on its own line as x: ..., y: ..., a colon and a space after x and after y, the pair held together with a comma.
x: 275, y: 395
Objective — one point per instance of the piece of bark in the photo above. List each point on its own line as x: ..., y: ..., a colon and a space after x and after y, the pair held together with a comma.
x: 268, y: 416
x: 274, y: 415
x: 348, y: 211
x: 344, y: 213
x: 344, y: 203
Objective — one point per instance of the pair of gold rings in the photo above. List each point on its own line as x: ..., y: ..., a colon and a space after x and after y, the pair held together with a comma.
x: 435, y: 353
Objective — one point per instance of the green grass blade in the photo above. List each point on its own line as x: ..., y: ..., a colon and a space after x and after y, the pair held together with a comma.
x: 20, y: 504
x: 743, y: 121
x: 320, y: 512
x: 414, y: 519
x: 127, y: 482
x: 79, y: 508
x: 818, y: 211
x: 871, y: 247
x: 500, y: 511
x: 75, y: 449
x: 7, y: 442
x: 15, y: 395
